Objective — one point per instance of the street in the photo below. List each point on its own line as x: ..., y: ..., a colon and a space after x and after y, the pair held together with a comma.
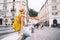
x: 45, y: 33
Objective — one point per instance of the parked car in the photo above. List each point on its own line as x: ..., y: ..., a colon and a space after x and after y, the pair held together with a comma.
x: 54, y: 25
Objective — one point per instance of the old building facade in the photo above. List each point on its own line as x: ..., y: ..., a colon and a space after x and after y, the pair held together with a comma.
x: 50, y: 11
x: 9, y: 9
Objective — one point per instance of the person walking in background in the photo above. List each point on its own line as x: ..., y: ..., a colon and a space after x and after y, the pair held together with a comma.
x: 37, y: 23
x: 42, y: 25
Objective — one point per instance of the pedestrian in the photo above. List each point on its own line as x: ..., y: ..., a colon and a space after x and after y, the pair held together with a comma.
x: 41, y: 26
x: 36, y: 22
x: 37, y: 25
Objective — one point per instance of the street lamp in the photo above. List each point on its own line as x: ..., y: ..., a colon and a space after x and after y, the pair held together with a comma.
x: 27, y: 14
x: 13, y: 10
x: 6, y: 20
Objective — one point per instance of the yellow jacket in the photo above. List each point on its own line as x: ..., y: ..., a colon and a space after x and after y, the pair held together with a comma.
x: 17, y: 24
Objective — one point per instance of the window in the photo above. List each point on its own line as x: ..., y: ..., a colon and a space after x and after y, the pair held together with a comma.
x: 5, y: 5
x: 54, y: 7
x: 54, y: 1
x: 5, y: 0
x: 54, y: 13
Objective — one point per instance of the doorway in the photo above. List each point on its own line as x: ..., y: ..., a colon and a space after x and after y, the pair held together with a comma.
x: 0, y: 21
x: 55, y: 24
x: 54, y: 21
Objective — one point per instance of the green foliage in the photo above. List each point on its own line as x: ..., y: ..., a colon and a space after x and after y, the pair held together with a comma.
x: 33, y: 13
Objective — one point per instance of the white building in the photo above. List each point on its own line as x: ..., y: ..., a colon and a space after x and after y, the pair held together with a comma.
x: 6, y: 13
x: 50, y: 11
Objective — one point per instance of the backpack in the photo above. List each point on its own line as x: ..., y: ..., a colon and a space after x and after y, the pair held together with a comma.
x: 17, y: 24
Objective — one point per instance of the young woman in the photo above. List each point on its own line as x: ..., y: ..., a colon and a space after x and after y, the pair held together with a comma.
x: 21, y: 18
x: 24, y: 32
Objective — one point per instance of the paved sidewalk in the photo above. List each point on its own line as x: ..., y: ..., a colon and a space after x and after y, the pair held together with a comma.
x: 12, y: 36
x: 5, y: 30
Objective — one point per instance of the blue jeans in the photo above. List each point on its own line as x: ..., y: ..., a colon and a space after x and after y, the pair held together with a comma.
x: 28, y: 38
x: 27, y: 33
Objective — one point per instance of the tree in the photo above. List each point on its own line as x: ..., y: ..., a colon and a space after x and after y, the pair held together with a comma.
x: 32, y: 13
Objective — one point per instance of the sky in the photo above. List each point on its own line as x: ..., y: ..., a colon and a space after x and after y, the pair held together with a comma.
x: 36, y: 4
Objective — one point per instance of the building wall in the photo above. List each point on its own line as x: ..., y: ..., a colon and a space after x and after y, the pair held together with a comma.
x: 49, y: 11
x: 43, y: 13
x: 7, y: 14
